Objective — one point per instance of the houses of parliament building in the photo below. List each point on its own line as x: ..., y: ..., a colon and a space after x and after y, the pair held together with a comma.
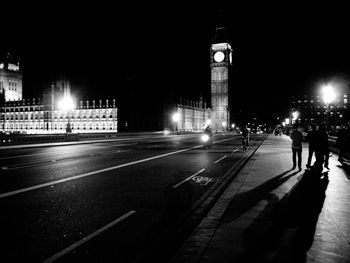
x: 43, y: 115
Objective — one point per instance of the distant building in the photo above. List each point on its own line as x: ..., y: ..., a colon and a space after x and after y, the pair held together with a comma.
x: 40, y: 116
x: 195, y: 115
x: 220, y: 61
x: 10, y: 79
x: 312, y: 109
x: 43, y: 115
x: 192, y: 115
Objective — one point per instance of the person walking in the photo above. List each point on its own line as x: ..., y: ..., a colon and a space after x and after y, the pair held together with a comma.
x: 312, y: 139
x: 322, y: 148
x: 297, y: 138
x: 341, y: 142
x: 245, y: 135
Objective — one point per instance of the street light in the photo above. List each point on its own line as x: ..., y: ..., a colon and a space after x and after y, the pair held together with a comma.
x: 295, y: 116
x: 208, y: 122
x: 67, y: 105
x: 328, y: 95
x: 176, y: 119
x: 224, y: 124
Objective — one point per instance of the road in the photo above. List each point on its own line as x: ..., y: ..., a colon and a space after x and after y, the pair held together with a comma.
x: 122, y: 200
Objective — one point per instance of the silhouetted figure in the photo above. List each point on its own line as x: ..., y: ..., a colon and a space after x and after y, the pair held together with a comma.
x: 296, y: 137
x: 312, y: 139
x: 208, y: 131
x: 322, y: 148
x: 245, y: 134
x: 342, y: 142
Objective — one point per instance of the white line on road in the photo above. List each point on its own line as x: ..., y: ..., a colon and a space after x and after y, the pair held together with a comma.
x: 189, y: 178
x: 27, y: 189
x: 57, y: 160
x: 220, y: 159
x: 87, y: 238
x: 38, y: 154
x: 235, y: 150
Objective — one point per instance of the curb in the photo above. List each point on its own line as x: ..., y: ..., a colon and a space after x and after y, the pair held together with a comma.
x: 195, y: 245
x: 185, y: 225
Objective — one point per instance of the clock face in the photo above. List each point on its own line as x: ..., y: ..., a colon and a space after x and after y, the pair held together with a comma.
x: 219, y: 56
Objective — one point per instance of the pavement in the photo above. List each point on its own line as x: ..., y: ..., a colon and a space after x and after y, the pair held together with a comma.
x: 271, y: 213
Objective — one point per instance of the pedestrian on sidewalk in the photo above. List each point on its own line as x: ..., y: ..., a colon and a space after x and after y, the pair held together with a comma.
x: 341, y: 142
x: 312, y: 139
x: 297, y: 138
x: 322, y: 148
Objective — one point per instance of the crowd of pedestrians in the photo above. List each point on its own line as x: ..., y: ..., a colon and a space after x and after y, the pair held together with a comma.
x: 318, y: 141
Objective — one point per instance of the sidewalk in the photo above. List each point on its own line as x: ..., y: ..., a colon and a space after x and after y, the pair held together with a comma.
x: 271, y: 213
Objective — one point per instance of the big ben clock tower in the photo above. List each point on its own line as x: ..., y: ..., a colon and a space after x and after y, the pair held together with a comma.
x: 220, y: 61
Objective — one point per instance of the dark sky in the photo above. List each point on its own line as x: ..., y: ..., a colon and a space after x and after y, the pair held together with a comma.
x: 149, y: 52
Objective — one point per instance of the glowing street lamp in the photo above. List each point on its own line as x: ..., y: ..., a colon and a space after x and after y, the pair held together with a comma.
x: 176, y: 119
x: 232, y: 125
x: 295, y: 115
x: 208, y: 122
x: 67, y: 105
x: 328, y: 96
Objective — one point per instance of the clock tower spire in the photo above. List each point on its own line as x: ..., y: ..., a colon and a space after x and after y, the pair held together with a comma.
x: 220, y: 61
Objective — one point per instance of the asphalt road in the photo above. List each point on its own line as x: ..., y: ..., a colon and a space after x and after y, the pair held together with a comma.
x: 120, y: 201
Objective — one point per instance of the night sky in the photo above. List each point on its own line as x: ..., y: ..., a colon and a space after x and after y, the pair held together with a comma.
x: 144, y: 55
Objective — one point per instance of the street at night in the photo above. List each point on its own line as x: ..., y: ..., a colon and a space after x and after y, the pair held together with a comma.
x: 56, y: 196
x: 209, y: 132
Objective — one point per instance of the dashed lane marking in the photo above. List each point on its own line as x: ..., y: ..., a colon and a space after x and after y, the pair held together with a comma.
x: 220, y: 159
x: 87, y: 238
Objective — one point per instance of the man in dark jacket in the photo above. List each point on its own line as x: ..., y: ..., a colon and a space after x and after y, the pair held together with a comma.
x: 297, y: 138
x: 312, y: 139
x: 341, y: 142
x: 322, y: 148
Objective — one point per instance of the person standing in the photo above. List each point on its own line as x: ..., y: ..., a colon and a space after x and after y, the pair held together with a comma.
x: 312, y: 139
x: 341, y: 143
x: 322, y: 148
x: 297, y: 138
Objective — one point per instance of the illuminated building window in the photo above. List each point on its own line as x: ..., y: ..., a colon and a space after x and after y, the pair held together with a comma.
x: 345, y: 101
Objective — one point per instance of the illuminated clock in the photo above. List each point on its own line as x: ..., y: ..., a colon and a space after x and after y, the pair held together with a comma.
x: 230, y: 58
x: 219, y: 56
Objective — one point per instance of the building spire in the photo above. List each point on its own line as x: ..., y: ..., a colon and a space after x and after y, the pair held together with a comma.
x: 220, y: 35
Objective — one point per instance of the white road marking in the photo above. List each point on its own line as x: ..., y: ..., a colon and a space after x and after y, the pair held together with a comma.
x: 235, y: 150
x: 220, y: 159
x: 90, y: 173
x: 58, y: 160
x: 37, y: 154
x: 75, y: 177
x: 189, y: 178
x: 87, y: 238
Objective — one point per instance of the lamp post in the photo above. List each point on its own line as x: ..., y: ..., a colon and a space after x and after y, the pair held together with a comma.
x: 295, y: 115
x: 67, y: 105
x: 176, y: 119
x: 328, y: 96
x: 224, y: 124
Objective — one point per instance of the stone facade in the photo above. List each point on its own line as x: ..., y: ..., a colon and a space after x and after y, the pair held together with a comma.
x: 33, y: 117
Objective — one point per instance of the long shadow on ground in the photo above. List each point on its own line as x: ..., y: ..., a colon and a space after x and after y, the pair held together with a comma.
x: 284, y: 231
